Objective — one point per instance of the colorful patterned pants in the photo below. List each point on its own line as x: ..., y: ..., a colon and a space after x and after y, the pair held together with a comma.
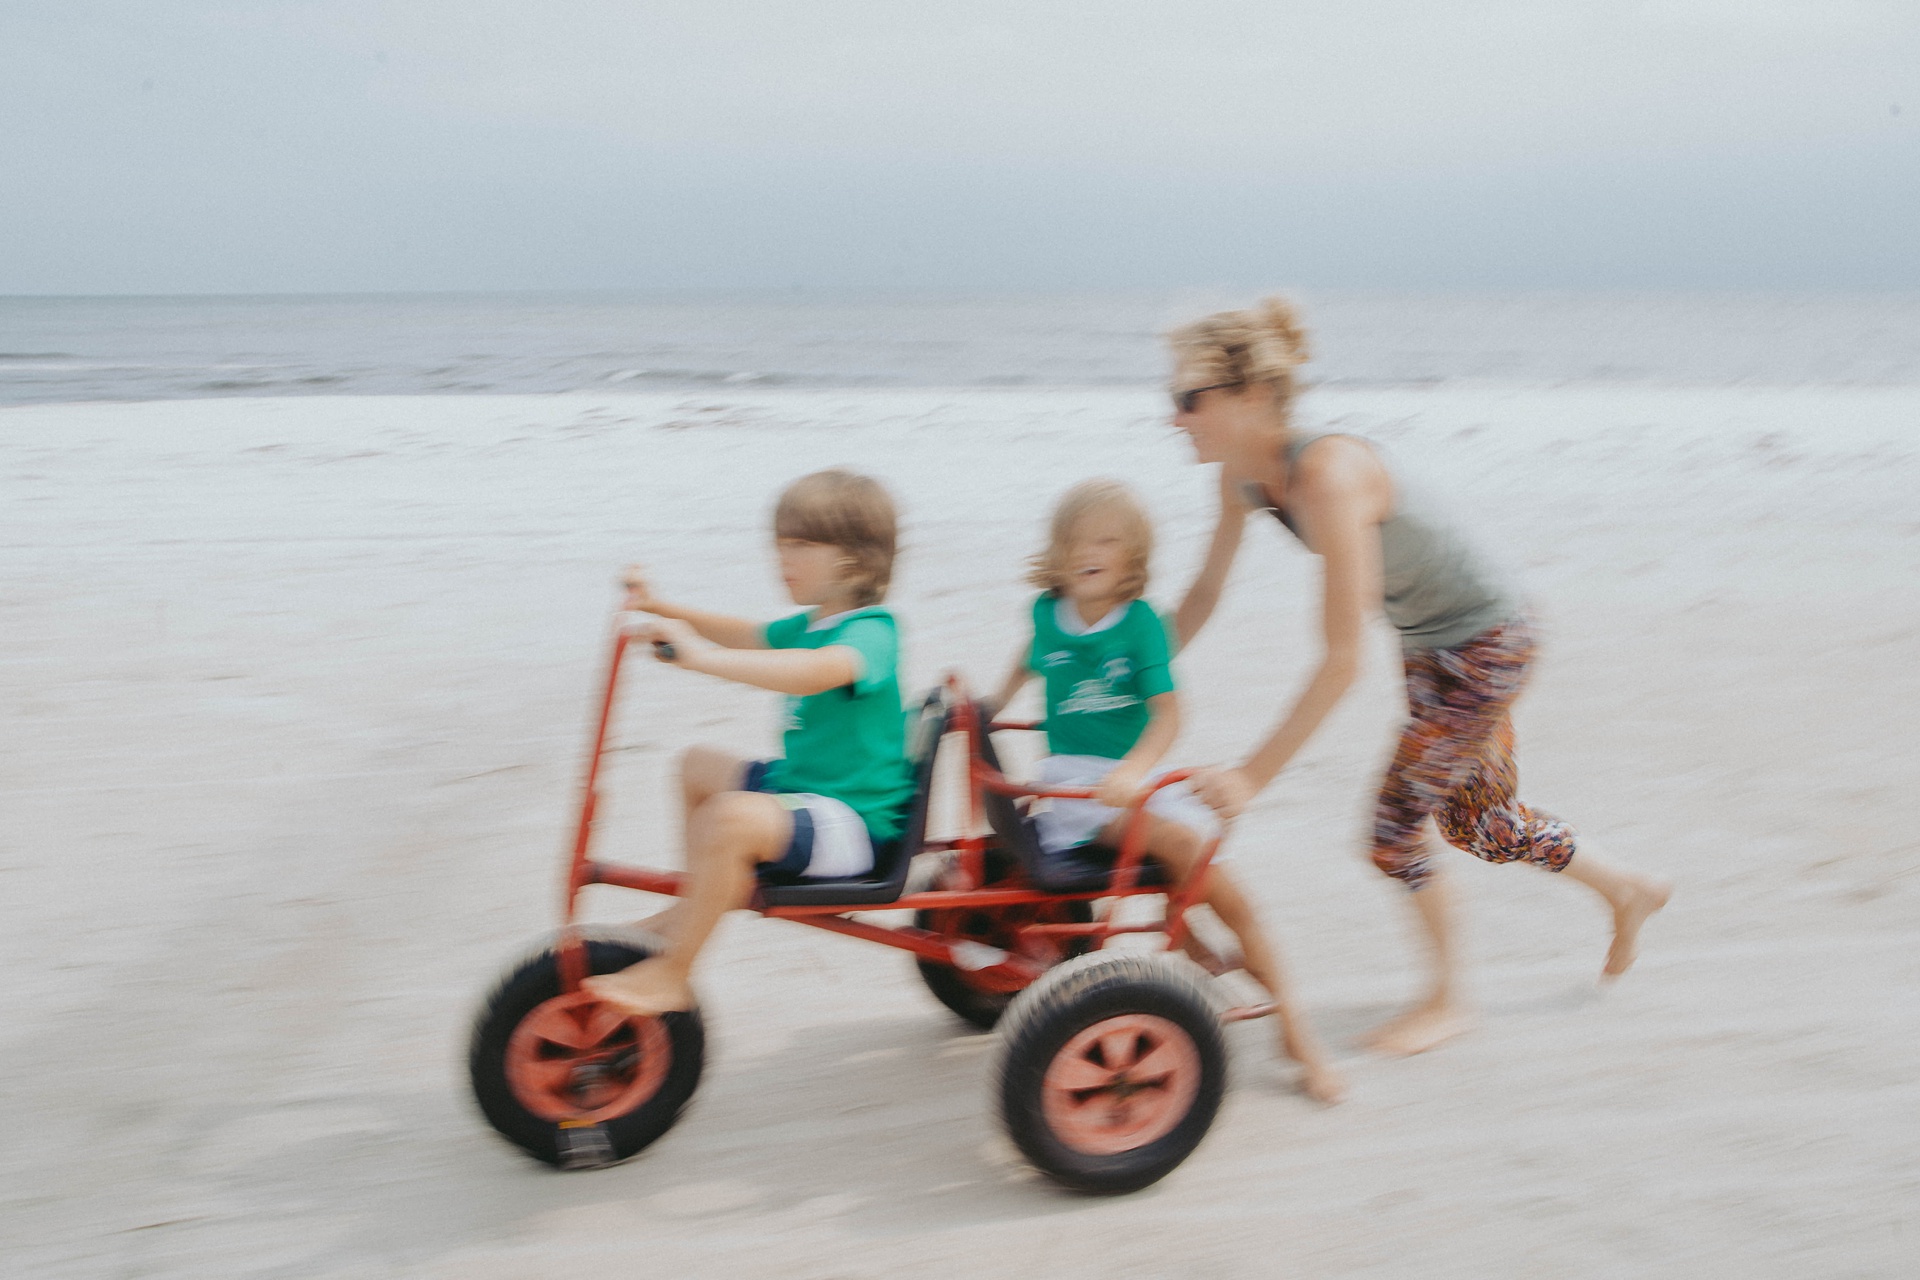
x: 1455, y: 762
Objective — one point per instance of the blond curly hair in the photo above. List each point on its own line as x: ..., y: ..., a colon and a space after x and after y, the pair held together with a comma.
x: 1048, y: 570
x: 1266, y: 343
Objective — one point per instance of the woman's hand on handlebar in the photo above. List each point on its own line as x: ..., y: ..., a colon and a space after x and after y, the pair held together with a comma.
x: 1225, y: 791
x: 1120, y: 788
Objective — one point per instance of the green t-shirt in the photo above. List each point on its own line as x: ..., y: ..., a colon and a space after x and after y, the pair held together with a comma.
x: 849, y: 743
x: 1098, y: 684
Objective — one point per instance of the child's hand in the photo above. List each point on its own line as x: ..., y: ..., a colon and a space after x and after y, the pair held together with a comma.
x: 1121, y: 787
x: 640, y: 596
x: 684, y: 641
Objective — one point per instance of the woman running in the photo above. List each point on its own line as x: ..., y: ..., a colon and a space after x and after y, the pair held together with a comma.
x: 1467, y: 643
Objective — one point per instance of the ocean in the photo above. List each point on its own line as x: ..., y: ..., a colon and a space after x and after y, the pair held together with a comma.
x: 160, y: 348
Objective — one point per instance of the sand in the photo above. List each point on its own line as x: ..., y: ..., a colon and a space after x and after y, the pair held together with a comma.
x: 294, y: 691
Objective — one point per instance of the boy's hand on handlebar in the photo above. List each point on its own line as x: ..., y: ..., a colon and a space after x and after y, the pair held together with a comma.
x: 640, y: 595
x: 683, y: 640
x: 1225, y: 791
x: 1121, y: 787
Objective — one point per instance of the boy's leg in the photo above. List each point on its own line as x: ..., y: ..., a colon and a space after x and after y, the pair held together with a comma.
x: 729, y: 836
x: 1178, y: 848
x: 705, y: 772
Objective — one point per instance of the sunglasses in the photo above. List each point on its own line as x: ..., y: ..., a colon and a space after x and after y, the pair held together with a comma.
x: 1189, y: 400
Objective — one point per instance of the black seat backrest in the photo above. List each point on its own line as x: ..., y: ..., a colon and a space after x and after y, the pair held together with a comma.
x: 924, y: 736
x: 1085, y: 869
x: 892, y: 860
x: 1009, y: 822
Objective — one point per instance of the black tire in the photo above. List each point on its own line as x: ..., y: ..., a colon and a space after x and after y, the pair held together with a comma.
x: 589, y: 1145
x: 1048, y: 1015
x: 993, y: 927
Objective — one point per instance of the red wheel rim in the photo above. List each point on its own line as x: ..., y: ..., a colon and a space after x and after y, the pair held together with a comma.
x: 575, y: 1059
x: 1120, y: 1084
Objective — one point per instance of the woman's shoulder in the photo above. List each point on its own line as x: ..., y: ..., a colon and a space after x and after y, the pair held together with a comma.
x: 1337, y: 466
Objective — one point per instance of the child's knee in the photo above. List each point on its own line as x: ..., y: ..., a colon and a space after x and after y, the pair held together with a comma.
x: 741, y: 820
x: 1176, y: 845
x: 706, y: 771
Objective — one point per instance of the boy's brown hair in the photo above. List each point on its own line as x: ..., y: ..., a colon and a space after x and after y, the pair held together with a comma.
x: 850, y: 511
x: 1048, y: 570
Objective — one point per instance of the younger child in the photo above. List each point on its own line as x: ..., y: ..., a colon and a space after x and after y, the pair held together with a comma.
x: 842, y: 788
x: 1112, y: 713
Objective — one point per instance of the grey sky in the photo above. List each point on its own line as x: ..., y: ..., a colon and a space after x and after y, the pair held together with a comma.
x: 1025, y: 144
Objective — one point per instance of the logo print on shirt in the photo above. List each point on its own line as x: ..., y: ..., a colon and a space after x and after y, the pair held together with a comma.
x: 1090, y: 697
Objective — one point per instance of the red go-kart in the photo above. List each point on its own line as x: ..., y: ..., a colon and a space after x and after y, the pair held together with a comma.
x: 1111, y: 1062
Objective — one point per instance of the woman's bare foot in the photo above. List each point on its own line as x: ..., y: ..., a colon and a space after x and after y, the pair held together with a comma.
x: 646, y: 990
x: 1419, y: 1029
x: 1646, y: 896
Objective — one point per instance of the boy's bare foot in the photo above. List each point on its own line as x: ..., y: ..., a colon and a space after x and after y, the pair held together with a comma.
x: 1419, y: 1029
x: 659, y: 924
x: 1642, y: 900
x: 1214, y: 962
x: 646, y: 990
x: 1322, y: 1083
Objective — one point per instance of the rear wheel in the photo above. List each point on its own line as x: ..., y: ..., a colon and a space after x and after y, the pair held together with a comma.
x: 570, y: 1081
x: 1112, y: 1068
x: 998, y: 928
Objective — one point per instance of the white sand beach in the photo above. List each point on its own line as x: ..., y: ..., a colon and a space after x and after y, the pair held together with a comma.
x: 294, y: 691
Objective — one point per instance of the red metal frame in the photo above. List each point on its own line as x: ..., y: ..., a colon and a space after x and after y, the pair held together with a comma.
x: 963, y: 886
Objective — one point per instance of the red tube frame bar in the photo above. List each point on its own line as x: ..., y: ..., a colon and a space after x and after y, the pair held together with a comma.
x: 1011, y: 973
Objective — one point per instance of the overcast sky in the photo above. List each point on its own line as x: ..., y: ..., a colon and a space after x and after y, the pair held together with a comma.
x: 189, y: 146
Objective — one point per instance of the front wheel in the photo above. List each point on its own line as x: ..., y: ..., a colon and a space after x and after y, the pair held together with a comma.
x: 1112, y: 1067
x: 570, y: 1081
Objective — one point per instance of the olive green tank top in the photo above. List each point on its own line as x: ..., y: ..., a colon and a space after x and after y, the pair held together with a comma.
x: 1440, y: 592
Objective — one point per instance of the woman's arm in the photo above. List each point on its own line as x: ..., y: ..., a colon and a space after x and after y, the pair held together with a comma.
x: 1119, y: 787
x: 1339, y: 499
x: 1204, y: 594
x: 796, y: 671
x: 734, y: 633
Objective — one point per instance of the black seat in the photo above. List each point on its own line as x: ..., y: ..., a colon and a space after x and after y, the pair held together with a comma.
x: 884, y: 883
x: 1087, y: 868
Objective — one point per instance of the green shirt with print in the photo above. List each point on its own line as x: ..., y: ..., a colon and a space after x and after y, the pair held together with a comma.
x: 849, y: 743
x: 1098, y: 683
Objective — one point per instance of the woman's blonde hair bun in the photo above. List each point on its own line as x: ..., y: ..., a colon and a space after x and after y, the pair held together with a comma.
x: 1263, y: 343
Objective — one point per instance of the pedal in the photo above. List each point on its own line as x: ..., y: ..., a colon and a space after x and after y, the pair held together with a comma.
x: 584, y: 1146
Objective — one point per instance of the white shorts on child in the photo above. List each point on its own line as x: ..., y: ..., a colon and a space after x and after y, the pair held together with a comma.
x: 1066, y: 824
x: 830, y: 840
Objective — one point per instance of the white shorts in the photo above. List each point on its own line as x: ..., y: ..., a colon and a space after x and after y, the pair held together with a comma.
x: 829, y: 838
x: 1066, y: 824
